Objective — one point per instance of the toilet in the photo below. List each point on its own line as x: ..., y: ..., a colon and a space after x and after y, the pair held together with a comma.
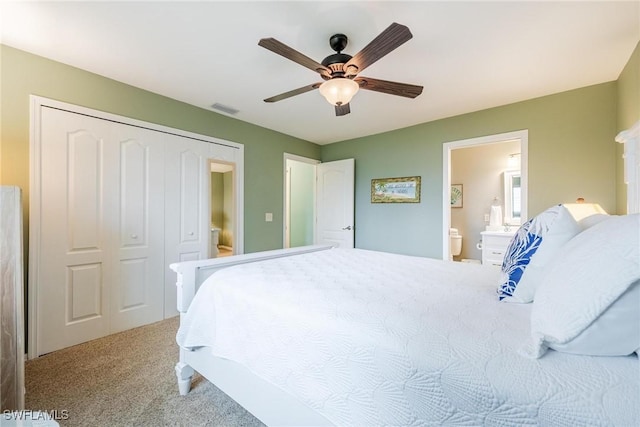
x: 455, y: 243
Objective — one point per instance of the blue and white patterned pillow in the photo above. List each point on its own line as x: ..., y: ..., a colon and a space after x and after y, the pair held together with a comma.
x: 531, y: 248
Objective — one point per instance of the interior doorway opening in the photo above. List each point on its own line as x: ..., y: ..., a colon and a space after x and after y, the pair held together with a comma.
x: 299, y: 201
x: 222, y: 212
x: 318, y: 202
x: 509, y: 172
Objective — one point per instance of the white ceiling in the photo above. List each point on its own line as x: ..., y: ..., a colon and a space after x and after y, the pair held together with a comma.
x: 468, y: 55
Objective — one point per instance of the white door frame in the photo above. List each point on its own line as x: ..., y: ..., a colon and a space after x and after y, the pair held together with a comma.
x: 520, y: 135
x: 35, y: 209
x: 287, y: 199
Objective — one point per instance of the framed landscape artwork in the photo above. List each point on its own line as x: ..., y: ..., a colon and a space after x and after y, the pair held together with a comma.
x: 395, y: 190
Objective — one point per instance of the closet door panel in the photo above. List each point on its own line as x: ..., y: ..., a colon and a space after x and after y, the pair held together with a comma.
x: 84, y: 190
x: 187, y: 220
x: 134, y: 197
x: 191, y: 169
x: 84, y: 292
x: 137, y: 293
x: 73, y: 294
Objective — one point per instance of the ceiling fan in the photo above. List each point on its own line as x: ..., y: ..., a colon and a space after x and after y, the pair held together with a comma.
x: 340, y: 71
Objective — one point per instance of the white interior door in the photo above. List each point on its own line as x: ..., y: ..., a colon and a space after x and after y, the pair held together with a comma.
x: 101, y: 255
x: 77, y: 227
x: 187, y: 212
x: 335, y: 203
x: 137, y: 286
x: 188, y: 204
x: 113, y: 202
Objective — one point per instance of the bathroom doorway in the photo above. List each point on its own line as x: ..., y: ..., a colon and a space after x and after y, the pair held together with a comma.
x: 481, y: 168
x: 222, y: 209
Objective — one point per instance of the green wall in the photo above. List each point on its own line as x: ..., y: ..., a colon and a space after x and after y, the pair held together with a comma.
x: 628, y: 114
x: 571, y: 154
x: 23, y: 74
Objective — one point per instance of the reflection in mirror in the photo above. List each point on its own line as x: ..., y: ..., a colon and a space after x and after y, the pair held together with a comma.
x: 512, y: 197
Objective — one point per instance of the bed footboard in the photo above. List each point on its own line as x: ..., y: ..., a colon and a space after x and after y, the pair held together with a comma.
x: 191, y: 274
x: 266, y: 402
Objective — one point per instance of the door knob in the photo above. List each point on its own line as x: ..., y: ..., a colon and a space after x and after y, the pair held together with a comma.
x: 348, y: 227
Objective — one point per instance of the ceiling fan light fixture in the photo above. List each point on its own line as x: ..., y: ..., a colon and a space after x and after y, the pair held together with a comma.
x: 339, y: 90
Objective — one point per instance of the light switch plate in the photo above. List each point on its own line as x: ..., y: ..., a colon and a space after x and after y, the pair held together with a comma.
x: 268, y: 217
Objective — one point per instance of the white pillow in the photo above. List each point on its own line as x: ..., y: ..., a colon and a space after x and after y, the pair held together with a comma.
x: 588, y: 276
x: 592, y: 220
x: 535, y: 244
x: 615, y: 333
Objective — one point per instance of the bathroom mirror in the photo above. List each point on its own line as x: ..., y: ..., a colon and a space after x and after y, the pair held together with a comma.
x: 512, y: 197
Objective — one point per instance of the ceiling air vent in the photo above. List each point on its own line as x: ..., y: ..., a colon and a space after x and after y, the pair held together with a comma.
x: 225, y: 109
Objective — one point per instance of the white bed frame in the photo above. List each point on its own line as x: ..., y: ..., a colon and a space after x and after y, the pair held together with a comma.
x: 266, y: 402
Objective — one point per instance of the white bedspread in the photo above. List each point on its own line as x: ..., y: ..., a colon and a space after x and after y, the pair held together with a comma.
x: 370, y: 338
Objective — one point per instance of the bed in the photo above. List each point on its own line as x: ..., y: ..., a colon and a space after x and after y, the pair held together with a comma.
x: 327, y: 336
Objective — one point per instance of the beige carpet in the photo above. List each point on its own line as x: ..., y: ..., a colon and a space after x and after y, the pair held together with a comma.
x: 127, y: 379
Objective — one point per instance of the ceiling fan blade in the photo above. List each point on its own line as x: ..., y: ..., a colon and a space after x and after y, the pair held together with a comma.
x: 391, y: 88
x: 283, y: 50
x: 388, y: 40
x: 342, y: 110
x: 294, y: 92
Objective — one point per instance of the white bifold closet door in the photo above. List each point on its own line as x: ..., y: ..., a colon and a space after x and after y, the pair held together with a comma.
x: 73, y: 296
x: 138, y: 246
x: 117, y: 206
x: 187, y: 213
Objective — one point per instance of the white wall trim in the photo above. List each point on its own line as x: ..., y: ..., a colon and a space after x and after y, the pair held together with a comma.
x: 35, y: 213
x: 520, y: 135
x: 630, y: 138
x: 289, y: 156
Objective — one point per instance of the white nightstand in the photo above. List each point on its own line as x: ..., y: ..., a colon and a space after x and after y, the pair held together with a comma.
x: 494, y: 246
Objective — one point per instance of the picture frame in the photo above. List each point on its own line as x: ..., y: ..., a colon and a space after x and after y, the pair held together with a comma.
x: 396, y: 190
x: 456, y: 195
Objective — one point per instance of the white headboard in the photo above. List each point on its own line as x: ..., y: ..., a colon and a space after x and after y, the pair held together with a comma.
x: 631, y: 140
